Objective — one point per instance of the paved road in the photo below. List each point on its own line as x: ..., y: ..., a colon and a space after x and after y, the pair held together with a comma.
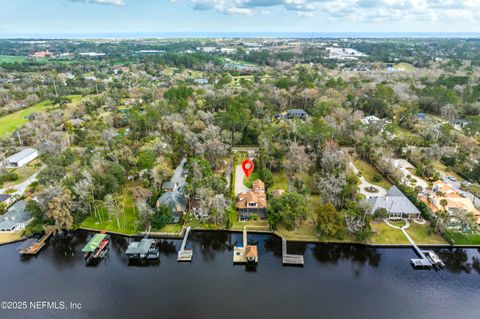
x: 365, y: 184
x: 20, y: 188
x: 456, y: 185
x: 239, y: 187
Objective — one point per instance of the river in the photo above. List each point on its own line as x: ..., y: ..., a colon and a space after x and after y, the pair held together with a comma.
x: 337, y: 281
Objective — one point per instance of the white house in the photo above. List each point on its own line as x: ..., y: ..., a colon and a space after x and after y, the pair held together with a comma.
x: 21, y: 158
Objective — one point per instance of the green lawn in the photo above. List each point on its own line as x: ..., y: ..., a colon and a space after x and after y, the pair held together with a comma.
x: 12, y: 59
x: 464, y: 239
x: 170, y: 228
x: 386, y: 235
x: 369, y: 172
x: 423, y: 234
x: 129, y: 220
x: 249, y: 181
x: 260, y: 225
x: 10, y: 122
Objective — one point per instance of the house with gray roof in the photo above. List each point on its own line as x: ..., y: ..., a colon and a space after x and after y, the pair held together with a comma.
x: 16, y: 217
x: 396, y: 204
x: 21, y: 158
x: 173, y: 195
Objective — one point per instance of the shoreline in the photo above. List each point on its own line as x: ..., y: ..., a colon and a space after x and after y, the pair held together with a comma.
x: 275, y: 233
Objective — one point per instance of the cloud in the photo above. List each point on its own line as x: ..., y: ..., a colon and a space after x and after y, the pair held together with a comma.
x: 358, y: 10
x: 107, y: 2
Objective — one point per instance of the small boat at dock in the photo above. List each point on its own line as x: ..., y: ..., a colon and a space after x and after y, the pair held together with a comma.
x: 96, y: 248
x: 433, y: 258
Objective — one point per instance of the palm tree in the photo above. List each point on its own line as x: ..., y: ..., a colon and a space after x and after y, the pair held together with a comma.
x: 442, y: 214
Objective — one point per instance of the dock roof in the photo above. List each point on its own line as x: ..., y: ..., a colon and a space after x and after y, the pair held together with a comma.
x: 139, y: 247
x: 94, y: 243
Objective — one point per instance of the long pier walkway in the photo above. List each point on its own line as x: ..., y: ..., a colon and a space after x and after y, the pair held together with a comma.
x: 185, y: 254
x: 423, y: 262
x: 287, y: 259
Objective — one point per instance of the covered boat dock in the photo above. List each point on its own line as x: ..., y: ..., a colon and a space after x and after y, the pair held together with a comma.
x: 144, y: 249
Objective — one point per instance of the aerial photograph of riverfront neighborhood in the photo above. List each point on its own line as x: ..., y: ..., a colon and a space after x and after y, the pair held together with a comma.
x: 239, y: 159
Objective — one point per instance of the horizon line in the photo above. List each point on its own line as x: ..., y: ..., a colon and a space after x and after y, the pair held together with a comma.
x: 238, y: 34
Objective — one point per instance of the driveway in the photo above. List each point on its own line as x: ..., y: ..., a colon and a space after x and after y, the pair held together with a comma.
x: 20, y: 188
x: 404, y: 165
x: 239, y: 187
x: 364, y: 184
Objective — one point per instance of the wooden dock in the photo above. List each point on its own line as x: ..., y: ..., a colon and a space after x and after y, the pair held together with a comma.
x: 422, y: 262
x: 246, y: 253
x: 34, y: 246
x: 290, y: 260
x: 185, y: 254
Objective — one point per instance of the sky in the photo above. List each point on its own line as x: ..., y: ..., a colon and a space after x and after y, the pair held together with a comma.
x: 90, y: 17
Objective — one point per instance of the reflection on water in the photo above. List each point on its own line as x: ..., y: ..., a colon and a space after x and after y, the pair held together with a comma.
x: 331, y: 253
x: 328, y: 286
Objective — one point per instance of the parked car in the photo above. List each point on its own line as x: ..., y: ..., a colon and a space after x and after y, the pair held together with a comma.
x: 466, y: 183
x: 453, y: 179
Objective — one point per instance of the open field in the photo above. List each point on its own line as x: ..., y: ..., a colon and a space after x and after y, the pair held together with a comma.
x: 9, y: 123
x: 12, y: 59
x: 370, y: 172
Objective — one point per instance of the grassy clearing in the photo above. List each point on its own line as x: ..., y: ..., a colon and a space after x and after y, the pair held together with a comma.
x: 371, y: 174
x: 129, y: 220
x: 407, y: 67
x: 9, y: 123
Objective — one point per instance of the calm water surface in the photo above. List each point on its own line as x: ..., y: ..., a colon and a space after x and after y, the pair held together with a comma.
x: 338, y: 281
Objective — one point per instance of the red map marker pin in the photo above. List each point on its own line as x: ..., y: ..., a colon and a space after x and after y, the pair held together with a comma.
x: 247, y: 166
